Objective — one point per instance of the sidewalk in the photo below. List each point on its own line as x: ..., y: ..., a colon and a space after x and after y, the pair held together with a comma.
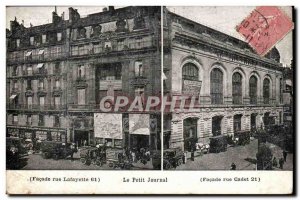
x: 243, y: 156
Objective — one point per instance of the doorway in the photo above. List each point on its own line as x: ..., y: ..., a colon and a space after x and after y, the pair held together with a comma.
x: 189, y: 132
x: 217, y: 125
x: 81, y: 138
x: 253, y: 121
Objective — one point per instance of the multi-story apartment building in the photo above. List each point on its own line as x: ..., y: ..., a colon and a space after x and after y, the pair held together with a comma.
x: 58, y: 73
x: 234, y: 88
x: 36, y: 80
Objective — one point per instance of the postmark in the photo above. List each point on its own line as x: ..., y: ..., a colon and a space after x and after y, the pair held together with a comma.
x: 264, y: 27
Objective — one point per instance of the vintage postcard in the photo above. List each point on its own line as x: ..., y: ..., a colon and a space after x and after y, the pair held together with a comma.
x: 141, y: 99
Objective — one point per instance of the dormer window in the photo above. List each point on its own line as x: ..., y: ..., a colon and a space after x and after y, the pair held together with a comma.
x: 44, y: 38
x: 18, y: 43
x: 31, y: 40
x: 82, y: 33
x: 107, y: 44
x: 59, y: 37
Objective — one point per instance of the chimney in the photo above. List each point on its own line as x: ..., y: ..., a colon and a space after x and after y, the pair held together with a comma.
x: 104, y: 9
x: 111, y: 8
x: 14, y: 25
x: 55, y: 18
x: 73, y: 15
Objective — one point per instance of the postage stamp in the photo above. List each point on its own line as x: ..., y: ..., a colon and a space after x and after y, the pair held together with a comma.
x: 264, y: 27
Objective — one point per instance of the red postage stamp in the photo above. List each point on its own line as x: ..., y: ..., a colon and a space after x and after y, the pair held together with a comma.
x: 264, y: 27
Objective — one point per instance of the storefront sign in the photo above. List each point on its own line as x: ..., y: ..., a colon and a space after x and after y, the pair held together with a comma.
x: 191, y: 87
x: 108, y: 125
x: 139, y: 124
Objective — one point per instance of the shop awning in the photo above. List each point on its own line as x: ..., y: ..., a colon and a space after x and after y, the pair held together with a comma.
x: 41, y: 52
x: 40, y: 65
x: 12, y: 96
x: 28, y: 53
x: 164, y: 76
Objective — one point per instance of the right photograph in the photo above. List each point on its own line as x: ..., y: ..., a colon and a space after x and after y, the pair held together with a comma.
x: 228, y: 88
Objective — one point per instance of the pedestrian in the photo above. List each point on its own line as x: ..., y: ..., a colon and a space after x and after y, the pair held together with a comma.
x: 192, y: 150
x: 233, y: 166
x: 275, y: 162
x: 284, y: 153
x: 281, y: 161
x: 73, y: 149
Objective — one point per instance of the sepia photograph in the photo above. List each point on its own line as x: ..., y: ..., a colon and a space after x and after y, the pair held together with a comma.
x: 201, y: 97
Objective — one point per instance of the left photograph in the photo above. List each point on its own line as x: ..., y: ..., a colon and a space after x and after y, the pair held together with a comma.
x: 83, y: 86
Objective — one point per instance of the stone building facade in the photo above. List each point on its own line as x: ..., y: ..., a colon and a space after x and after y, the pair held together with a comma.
x: 58, y: 73
x: 235, y: 89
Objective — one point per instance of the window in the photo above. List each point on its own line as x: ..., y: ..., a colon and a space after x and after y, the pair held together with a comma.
x: 56, y: 121
x: 29, y: 102
x: 216, y: 86
x: 56, y: 101
x: 41, y: 84
x: 253, y: 90
x: 42, y: 101
x: 190, y: 72
x: 15, y: 71
x: 266, y: 91
x: 29, y: 70
x: 56, y: 68
x: 15, y: 119
x: 82, y: 33
x: 138, y: 68
x: 81, y: 71
x: 15, y: 84
x: 281, y: 90
x: 81, y: 96
x: 29, y: 85
x: 44, y: 39
x: 237, y: 88
x: 57, y: 83
x: 18, y: 43
x: 41, y: 120
x: 29, y: 120
x: 82, y: 50
x: 31, y: 40
x: 237, y: 121
x: 111, y: 72
x: 59, y: 36
x: 107, y: 44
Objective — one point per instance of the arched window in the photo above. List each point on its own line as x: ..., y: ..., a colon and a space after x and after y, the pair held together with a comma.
x: 266, y: 91
x: 190, y: 72
x: 237, y: 88
x: 216, y: 86
x: 253, y: 90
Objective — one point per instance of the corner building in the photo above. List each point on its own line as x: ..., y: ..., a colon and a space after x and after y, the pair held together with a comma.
x: 58, y: 73
x: 235, y: 88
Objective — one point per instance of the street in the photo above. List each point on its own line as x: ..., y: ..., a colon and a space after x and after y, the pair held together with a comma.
x: 36, y: 162
x: 244, y: 158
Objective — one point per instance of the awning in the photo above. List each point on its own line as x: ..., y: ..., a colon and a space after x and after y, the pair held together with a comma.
x: 41, y: 52
x: 164, y: 76
x: 40, y: 65
x: 12, y: 96
x: 28, y: 53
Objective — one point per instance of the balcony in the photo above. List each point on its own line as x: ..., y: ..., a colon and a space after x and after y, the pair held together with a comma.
x: 115, y: 47
x: 35, y: 107
x: 57, y: 91
x: 36, y: 58
x: 139, y: 81
x: 75, y: 107
x: 41, y: 91
x: 81, y: 82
